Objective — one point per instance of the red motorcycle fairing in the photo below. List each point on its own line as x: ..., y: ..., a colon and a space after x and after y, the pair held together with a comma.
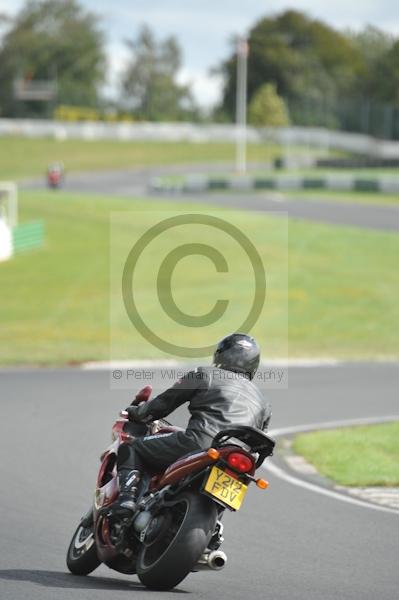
x: 118, y: 432
x: 107, y: 488
x: 107, y: 491
x: 106, y: 550
x: 54, y: 177
x: 193, y: 463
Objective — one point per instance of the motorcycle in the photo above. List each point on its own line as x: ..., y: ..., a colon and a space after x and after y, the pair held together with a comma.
x: 55, y: 175
x: 177, y: 527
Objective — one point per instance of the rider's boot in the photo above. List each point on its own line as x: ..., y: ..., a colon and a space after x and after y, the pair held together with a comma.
x: 128, y: 491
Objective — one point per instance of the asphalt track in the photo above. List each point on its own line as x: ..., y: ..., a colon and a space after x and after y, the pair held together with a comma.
x: 286, y: 544
x: 134, y: 183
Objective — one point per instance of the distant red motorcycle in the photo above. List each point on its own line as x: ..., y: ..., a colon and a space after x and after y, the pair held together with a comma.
x: 177, y: 527
x: 55, y: 175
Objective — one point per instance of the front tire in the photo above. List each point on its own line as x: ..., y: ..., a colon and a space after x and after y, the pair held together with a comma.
x: 82, y: 556
x: 165, y: 562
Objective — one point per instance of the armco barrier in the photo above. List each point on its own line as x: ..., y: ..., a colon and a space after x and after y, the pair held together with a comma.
x: 28, y: 236
x: 197, y: 132
x: 282, y: 182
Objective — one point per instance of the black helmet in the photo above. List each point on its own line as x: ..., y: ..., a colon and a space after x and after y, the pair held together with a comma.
x: 238, y: 352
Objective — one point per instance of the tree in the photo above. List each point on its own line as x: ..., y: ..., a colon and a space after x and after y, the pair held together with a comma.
x: 267, y: 108
x: 149, y: 84
x: 385, y: 81
x: 306, y: 59
x: 381, y: 54
x: 374, y: 45
x: 52, y: 39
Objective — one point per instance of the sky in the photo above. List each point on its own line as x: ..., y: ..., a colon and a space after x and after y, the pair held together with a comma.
x: 205, y: 28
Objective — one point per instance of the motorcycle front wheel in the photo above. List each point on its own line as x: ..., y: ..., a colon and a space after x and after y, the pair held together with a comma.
x: 82, y: 556
x: 182, y: 532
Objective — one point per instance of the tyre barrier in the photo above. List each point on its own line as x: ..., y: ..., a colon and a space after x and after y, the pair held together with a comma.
x: 281, y: 182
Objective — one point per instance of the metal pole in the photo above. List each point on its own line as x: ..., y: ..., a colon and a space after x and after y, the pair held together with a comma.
x: 241, y: 106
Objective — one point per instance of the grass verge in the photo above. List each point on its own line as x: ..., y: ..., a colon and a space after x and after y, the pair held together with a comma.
x: 344, y: 196
x: 354, y: 456
x: 54, y: 302
x: 23, y: 157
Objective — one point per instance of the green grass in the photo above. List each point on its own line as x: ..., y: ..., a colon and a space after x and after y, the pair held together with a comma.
x: 22, y: 157
x: 355, y: 456
x: 366, y: 173
x: 344, y: 196
x: 54, y: 303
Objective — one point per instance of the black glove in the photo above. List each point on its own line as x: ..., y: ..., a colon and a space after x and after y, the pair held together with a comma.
x: 132, y: 414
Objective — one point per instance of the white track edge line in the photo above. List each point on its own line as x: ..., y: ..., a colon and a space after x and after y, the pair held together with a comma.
x: 272, y: 468
x: 281, y: 474
x: 331, y: 424
x: 273, y: 362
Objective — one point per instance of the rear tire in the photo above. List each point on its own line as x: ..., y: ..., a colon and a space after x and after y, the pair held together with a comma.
x: 163, y: 564
x: 82, y: 556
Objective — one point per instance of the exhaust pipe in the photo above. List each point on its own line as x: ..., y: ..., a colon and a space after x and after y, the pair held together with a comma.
x: 211, y: 561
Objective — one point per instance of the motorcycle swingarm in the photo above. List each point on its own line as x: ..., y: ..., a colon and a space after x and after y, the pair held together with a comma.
x: 164, y: 497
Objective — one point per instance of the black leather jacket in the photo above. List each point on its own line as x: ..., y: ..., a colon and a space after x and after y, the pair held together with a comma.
x: 217, y: 399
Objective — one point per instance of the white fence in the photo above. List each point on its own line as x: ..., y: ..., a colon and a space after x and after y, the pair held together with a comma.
x: 8, y: 217
x: 193, y: 132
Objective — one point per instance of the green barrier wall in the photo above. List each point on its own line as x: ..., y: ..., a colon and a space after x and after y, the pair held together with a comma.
x: 28, y: 236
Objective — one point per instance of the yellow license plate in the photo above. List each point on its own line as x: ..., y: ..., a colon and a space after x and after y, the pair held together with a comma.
x: 225, y: 488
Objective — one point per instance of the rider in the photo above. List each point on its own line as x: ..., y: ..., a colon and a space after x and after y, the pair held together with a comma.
x: 218, y: 397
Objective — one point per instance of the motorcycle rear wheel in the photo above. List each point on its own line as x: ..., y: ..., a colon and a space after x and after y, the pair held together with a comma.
x: 164, y: 563
x: 82, y: 556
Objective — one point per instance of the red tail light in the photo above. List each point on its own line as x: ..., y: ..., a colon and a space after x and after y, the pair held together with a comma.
x: 240, y: 462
